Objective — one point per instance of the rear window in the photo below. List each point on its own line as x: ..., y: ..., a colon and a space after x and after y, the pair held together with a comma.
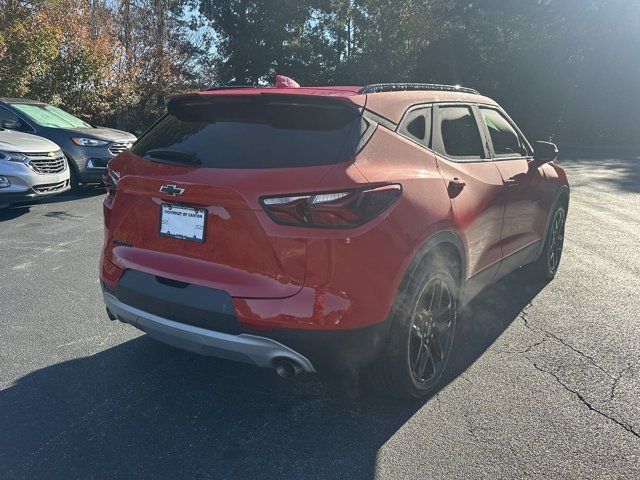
x: 254, y: 132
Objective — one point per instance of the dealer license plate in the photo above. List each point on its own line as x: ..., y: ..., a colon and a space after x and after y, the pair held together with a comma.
x: 185, y: 223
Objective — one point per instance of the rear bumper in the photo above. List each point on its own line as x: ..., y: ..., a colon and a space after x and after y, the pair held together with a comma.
x: 204, y: 320
x: 246, y: 348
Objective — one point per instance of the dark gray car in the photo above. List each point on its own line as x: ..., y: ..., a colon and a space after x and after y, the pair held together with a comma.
x: 88, y: 149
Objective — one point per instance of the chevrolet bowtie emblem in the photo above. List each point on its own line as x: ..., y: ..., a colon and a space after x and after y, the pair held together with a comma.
x: 171, y: 190
x: 51, y: 154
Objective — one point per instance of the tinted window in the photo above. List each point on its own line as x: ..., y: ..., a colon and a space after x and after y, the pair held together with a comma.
x: 417, y: 126
x: 236, y: 132
x: 504, y: 137
x: 7, y: 115
x: 460, y: 134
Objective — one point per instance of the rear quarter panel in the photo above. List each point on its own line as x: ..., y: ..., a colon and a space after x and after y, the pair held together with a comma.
x: 353, y: 275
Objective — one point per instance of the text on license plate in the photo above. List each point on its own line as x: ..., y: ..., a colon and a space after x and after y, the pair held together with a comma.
x: 186, y: 223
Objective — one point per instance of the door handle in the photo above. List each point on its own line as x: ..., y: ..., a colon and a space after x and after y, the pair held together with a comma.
x: 456, y: 182
x: 511, y: 182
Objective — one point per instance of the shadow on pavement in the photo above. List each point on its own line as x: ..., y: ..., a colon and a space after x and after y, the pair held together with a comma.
x: 12, y: 212
x: 143, y: 410
x: 85, y: 192
x: 22, y: 208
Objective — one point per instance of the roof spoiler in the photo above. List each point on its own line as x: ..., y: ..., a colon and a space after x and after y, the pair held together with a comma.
x: 280, y: 82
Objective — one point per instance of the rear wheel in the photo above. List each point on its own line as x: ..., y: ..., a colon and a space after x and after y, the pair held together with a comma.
x: 547, y: 264
x: 421, y: 337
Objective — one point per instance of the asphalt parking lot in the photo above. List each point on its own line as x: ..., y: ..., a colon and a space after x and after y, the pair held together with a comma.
x: 544, y: 382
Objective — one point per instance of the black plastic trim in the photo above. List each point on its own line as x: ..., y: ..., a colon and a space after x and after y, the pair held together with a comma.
x: 521, y: 257
x: 181, y: 302
x: 442, y: 237
x: 380, y: 120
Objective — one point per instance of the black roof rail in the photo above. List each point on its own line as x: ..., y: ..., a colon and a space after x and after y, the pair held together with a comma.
x: 403, y: 87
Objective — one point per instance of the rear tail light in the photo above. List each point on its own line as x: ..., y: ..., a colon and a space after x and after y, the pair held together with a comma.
x: 346, y: 209
x: 110, y: 181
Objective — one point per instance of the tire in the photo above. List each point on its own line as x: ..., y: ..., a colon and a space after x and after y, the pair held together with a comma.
x: 546, y: 266
x: 74, y: 178
x: 420, y: 340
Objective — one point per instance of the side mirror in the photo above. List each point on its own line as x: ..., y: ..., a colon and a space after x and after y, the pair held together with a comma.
x: 11, y: 124
x: 543, y: 152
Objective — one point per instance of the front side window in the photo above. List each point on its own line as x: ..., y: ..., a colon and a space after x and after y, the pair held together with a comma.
x: 504, y: 137
x: 460, y: 133
x: 49, y: 116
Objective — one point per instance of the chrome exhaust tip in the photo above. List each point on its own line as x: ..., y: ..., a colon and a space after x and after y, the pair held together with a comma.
x: 286, y: 368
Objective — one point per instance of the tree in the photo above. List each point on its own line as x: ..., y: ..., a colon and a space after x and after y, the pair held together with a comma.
x: 163, y: 49
x: 257, y: 38
x: 565, y: 69
x: 376, y: 40
x: 28, y: 45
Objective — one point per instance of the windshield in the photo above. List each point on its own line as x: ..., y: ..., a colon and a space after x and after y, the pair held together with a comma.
x: 50, y: 116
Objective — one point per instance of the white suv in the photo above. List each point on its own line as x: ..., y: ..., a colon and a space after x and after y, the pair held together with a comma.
x: 31, y: 168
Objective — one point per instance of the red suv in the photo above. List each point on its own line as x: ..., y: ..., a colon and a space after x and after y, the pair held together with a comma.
x: 326, y: 228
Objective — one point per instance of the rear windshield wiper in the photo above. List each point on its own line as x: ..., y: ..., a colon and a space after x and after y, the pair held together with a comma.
x: 172, y: 155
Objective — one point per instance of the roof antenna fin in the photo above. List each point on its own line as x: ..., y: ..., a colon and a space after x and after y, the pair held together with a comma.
x: 286, y: 82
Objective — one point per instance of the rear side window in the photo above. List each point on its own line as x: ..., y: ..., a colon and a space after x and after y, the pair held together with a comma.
x: 460, y: 134
x: 417, y: 126
x: 255, y: 132
x: 504, y: 137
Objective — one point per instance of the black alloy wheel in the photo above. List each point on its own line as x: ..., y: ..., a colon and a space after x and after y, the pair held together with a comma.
x: 431, y: 331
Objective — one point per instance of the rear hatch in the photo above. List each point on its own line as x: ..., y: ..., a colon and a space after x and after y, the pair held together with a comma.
x: 187, y: 203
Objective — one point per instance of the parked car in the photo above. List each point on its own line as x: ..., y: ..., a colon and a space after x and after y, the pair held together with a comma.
x: 328, y: 228
x: 31, y: 168
x: 87, y: 148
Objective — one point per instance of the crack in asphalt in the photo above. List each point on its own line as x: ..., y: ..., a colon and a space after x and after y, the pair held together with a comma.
x: 624, y: 425
x: 526, y: 350
x: 591, y: 360
x: 465, y: 378
x: 614, y: 385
